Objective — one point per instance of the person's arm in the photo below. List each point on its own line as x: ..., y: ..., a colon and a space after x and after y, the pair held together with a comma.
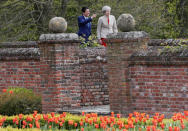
x: 115, y: 29
x: 84, y: 21
x: 99, y: 26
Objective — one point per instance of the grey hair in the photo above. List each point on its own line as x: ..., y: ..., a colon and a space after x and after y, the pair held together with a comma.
x: 106, y: 8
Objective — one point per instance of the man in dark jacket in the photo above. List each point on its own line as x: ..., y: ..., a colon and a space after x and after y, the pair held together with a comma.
x: 84, y: 23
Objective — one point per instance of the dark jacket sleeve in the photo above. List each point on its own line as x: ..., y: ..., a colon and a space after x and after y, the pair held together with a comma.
x: 82, y: 21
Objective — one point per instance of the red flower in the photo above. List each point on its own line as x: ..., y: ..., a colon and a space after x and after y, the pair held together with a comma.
x: 118, y: 115
x: 112, y: 114
x: 170, y: 128
x: 4, y: 90
x: 186, y: 113
x: 96, y: 125
x: 82, y: 129
x: 176, y: 128
x: 64, y: 114
x: 130, y: 115
x: 61, y: 124
x: 50, y: 126
x: 52, y: 114
x: 90, y: 122
x: 62, y: 120
x: 162, y: 125
x: 83, y: 113
x: 24, y: 123
x: 81, y: 123
x: 37, y: 124
x: 75, y: 124
x: 148, y: 128
x: 182, y: 126
x: 29, y: 119
x: 45, y: 117
x: 70, y: 122
x: 10, y: 91
x: 20, y: 116
x: 35, y: 112
x: 30, y: 125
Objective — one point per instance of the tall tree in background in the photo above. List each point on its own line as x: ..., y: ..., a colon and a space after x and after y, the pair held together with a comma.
x: 27, y: 19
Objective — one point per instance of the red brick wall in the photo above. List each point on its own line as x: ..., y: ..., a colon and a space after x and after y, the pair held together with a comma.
x: 94, y: 77
x: 159, y: 88
x: 19, y: 65
x: 144, y: 79
x: 126, y: 77
x: 20, y: 73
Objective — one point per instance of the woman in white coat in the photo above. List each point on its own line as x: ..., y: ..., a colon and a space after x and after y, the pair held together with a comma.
x: 106, y: 24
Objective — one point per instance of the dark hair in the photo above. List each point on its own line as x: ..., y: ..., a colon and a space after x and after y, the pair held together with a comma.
x: 84, y: 9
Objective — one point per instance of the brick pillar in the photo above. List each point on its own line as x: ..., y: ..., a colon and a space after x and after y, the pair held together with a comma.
x: 60, y: 70
x: 120, y: 47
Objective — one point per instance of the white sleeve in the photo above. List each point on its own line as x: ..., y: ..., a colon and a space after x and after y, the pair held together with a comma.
x: 99, y: 26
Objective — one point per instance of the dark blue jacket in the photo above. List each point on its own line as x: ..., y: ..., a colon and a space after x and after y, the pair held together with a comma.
x: 84, y: 27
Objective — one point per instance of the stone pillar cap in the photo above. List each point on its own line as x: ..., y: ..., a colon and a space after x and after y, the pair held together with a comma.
x: 59, y: 37
x: 128, y: 35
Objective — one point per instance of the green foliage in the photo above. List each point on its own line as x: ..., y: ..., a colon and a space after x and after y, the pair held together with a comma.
x: 91, y: 43
x: 26, y: 20
x: 178, y: 48
x: 20, y: 101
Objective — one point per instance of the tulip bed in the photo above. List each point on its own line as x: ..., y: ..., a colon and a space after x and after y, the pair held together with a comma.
x: 87, y: 122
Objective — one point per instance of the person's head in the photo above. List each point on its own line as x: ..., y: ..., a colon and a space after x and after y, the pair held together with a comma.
x: 85, y: 11
x: 106, y: 10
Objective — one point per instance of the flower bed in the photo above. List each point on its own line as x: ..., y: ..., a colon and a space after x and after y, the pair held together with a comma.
x: 135, y: 122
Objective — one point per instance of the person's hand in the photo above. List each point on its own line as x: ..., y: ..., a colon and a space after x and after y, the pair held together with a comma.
x: 93, y: 16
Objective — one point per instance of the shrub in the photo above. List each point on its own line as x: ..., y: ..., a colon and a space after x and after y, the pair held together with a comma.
x: 92, y: 42
x: 19, y: 100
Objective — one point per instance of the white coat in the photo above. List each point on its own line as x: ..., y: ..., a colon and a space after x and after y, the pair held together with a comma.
x: 103, y: 28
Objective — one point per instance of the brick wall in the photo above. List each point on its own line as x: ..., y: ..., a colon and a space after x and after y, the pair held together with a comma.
x: 159, y: 79
x: 94, y: 77
x: 19, y: 65
x: 128, y: 74
x: 150, y: 79
x: 159, y: 88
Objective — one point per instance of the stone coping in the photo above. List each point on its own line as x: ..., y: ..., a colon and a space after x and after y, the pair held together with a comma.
x: 19, y: 44
x: 59, y: 38
x: 132, y: 36
x: 19, y: 53
x: 170, y: 42
x: 100, y: 110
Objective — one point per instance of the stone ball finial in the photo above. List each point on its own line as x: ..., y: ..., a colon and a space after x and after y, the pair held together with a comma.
x: 126, y: 22
x: 57, y: 25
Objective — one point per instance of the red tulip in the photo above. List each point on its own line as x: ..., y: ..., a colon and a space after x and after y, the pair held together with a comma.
x: 30, y: 125
x: 112, y: 114
x: 10, y: 91
x: 61, y: 124
x: 170, y: 128
x: 96, y: 125
x: 75, y: 124
x: 52, y: 114
x: 20, y: 116
x: 37, y: 124
x: 118, y: 115
x: 81, y: 123
x: 4, y: 90
x: 24, y: 122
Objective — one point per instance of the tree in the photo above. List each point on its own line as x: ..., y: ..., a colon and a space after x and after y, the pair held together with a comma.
x: 27, y: 19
